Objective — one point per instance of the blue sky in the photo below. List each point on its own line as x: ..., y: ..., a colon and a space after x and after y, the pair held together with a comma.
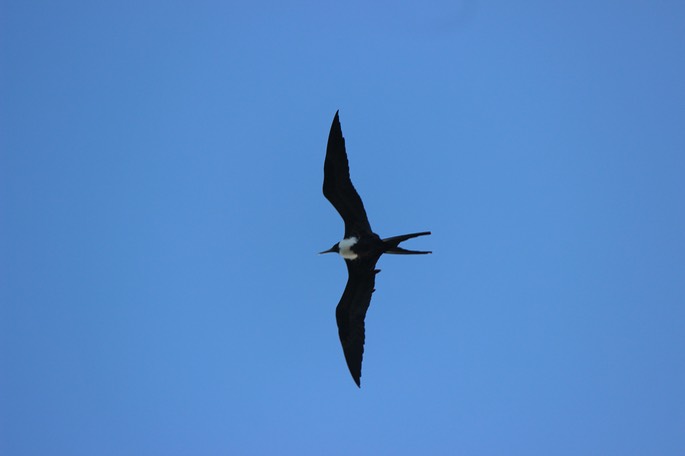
x: 161, y: 209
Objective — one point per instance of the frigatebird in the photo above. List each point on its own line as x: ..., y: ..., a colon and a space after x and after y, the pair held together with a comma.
x: 361, y: 248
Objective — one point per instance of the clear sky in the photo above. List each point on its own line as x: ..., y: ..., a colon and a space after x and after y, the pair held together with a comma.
x: 160, y: 212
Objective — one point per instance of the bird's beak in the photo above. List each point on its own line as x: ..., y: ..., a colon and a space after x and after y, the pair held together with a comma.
x: 331, y: 250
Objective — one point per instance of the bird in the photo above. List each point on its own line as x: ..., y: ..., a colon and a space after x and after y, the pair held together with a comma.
x: 360, y: 248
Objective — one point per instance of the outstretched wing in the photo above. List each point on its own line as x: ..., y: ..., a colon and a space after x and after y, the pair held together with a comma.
x: 351, y: 311
x: 337, y: 186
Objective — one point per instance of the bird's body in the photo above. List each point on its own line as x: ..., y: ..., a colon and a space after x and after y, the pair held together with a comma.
x: 361, y: 248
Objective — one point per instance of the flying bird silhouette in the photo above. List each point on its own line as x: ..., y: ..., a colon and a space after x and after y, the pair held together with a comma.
x: 361, y: 248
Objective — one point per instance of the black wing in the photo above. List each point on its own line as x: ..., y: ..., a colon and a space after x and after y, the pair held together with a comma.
x: 337, y: 186
x: 351, y: 311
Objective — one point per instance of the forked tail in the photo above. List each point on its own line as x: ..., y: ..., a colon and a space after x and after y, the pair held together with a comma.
x: 392, y: 244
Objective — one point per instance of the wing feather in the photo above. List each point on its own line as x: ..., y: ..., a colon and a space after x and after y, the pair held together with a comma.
x: 351, y: 312
x: 337, y: 185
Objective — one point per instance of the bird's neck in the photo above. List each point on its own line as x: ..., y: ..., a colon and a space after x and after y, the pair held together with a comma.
x: 345, y: 248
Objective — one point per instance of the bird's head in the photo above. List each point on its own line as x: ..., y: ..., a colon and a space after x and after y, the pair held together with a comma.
x: 334, y: 249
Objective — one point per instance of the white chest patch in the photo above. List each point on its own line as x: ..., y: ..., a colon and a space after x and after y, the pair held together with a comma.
x: 345, y: 247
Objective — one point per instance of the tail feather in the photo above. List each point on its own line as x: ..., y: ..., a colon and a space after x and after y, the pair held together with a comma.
x: 392, y: 244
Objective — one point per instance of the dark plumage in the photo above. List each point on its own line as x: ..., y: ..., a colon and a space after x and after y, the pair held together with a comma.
x: 360, y: 247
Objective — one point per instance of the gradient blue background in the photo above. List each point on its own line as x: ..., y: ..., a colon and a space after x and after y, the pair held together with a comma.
x: 161, y: 210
